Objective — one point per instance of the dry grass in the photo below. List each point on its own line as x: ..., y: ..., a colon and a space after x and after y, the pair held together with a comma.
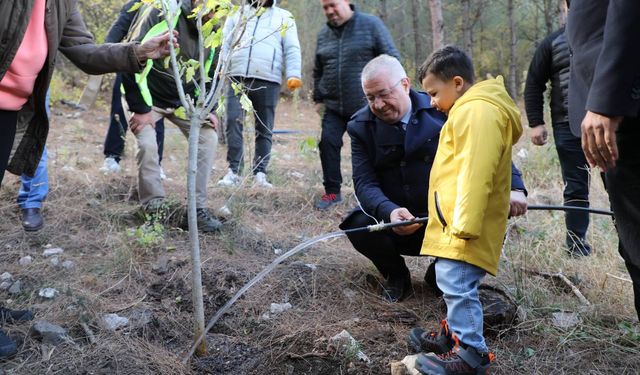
x: 89, y: 215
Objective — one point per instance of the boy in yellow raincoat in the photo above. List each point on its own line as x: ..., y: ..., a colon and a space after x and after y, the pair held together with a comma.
x: 468, y: 203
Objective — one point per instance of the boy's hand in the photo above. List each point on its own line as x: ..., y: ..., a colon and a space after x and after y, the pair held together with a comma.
x: 539, y: 135
x: 402, y: 214
x: 517, y: 203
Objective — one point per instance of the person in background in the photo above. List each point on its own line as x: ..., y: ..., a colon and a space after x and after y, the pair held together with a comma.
x: 348, y: 41
x: 267, y: 50
x: 114, y: 141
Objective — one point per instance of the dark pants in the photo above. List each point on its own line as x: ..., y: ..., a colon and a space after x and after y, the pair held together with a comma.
x: 8, y: 121
x: 264, y: 96
x: 333, y: 127
x: 623, y: 186
x: 575, y: 176
x: 384, y: 248
x: 114, y: 142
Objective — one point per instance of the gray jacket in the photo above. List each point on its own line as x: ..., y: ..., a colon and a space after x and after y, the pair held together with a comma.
x: 265, y: 50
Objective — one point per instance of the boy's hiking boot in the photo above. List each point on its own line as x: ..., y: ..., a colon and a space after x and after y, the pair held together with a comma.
x: 438, y: 342
x: 458, y: 361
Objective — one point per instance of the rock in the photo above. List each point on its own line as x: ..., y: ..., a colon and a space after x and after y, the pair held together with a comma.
x: 5, y: 285
x: 277, y: 308
x: 349, y: 293
x: 522, y: 153
x: 312, y: 266
x: 112, y: 322
x: 49, y: 333
x: 68, y: 265
x: 54, y: 261
x: 277, y: 251
x: 346, y: 344
x: 161, y: 266
x: 16, y: 288
x: 140, y: 318
x: 565, y: 320
x: 405, y: 367
x: 6, y: 276
x: 48, y: 293
x: 25, y: 261
x: 224, y: 212
x: 53, y: 251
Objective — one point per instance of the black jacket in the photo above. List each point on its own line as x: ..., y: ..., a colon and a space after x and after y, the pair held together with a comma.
x: 391, y: 166
x: 341, y: 53
x: 120, y: 27
x: 160, y: 79
x: 550, y: 62
x: 605, y: 64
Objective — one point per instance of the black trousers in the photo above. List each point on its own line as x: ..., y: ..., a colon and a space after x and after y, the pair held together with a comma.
x: 623, y: 186
x: 385, y: 248
x: 114, y: 141
x: 8, y: 121
x: 575, y: 176
x: 264, y: 96
x: 333, y: 127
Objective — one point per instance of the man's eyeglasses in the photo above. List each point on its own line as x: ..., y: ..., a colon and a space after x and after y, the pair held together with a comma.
x: 384, y: 94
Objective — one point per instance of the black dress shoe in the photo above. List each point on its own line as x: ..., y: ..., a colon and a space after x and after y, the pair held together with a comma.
x: 397, y: 287
x: 32, y: 219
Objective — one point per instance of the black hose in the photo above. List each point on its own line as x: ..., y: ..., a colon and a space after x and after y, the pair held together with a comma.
x: 422, y: 220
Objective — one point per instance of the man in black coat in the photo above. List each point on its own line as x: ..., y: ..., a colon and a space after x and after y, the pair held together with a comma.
x: 393, y: 142
x: 345, y: 44
x: 551, y: 63
x: 604, y: 108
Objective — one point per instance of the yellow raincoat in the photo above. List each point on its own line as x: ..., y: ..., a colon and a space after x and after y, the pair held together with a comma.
x: 470, y: 180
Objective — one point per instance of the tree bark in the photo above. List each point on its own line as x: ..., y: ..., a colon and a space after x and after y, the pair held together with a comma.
x: 467, y: 25
x: 437, y: 23
x: 416, y: 33
x: 513, y: 66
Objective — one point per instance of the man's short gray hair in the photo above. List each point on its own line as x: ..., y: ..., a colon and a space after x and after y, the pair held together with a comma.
x: 383, y: 64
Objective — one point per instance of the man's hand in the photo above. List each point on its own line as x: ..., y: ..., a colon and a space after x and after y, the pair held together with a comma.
x: 319, y: 107
x: 539, y: 135
x: 517, y: 203
x: 213, y: 120
x: 599, y: 140
x: 156, y: 47
x: 402, y: 214
x: 140, y: 120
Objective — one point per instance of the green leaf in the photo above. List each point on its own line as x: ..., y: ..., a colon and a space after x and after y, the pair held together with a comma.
x: 237, y: 87
x: 283, y: 30
x: 220, y: 109
x: 166, y: 62
x: 214, y: 40
x: 191, y: 71
x: 180, y: 113
x: 245, y: 102
x: 135, y: 6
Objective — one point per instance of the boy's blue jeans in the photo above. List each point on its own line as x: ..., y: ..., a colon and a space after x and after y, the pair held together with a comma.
x: 459, y: 282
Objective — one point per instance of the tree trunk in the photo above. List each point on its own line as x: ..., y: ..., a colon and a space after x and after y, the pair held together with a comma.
x: 548, y: 15
x: 415, y: 16
x: 467, y: 24
x: 437, y: 23
x: 194, y: 240
x: 513, y: 67
x: 384, y: 14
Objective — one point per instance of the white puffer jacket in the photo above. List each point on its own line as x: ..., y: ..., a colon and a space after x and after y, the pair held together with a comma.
x: 264, y: 50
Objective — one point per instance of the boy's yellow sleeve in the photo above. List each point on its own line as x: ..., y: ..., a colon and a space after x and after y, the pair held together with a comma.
x: 479, y: 144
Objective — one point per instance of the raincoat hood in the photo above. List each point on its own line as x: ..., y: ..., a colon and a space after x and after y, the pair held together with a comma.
x: 494, y: 92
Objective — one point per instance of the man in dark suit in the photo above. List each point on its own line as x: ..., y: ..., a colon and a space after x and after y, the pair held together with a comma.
x: 604, y: 107
x: 393, y: 142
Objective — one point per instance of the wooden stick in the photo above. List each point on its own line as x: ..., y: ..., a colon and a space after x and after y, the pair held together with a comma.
x: 560, y: 277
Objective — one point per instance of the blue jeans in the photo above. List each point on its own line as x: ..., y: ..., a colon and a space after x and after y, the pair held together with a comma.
x: 34, y: 189
x: 459, y: 282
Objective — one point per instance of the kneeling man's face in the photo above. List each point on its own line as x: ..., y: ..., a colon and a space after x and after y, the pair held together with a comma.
x: 388, y: 98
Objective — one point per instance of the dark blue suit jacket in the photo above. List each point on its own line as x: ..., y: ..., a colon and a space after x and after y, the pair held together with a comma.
x: 391, y: 166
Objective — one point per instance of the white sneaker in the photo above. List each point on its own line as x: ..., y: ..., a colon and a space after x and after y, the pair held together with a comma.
x: 163, y: 176
x: 230, y: 179
x: 260, y: 180
x: 109, y: 166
